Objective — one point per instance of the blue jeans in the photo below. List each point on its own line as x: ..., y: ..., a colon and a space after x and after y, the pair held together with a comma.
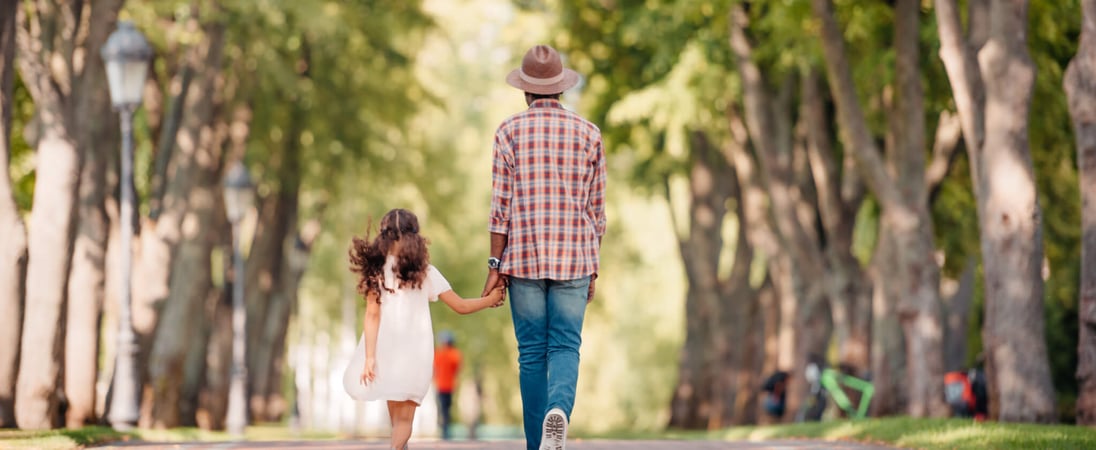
x: 548, y: 325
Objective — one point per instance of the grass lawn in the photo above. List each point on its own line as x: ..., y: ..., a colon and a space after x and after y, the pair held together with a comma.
x: 917, y: 433
x: 70, y: 439
x: 59, y: 439
x: 898, y: 431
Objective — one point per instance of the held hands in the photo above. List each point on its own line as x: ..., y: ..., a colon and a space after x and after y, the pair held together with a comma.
x: 497, y: 295
x: 495, y: 281
x: 369, y: 372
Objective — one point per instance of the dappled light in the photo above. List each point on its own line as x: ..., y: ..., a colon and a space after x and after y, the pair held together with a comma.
x: 795, y: 193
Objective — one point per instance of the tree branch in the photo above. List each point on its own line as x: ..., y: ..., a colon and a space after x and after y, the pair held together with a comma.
x: 823, y: 165
x: 772, y: 140
x: 854, y: 126
x: 948, y: 132
x: 964, y: 75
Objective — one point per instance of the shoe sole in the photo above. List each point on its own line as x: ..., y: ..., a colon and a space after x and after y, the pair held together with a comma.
x: 555, y: 430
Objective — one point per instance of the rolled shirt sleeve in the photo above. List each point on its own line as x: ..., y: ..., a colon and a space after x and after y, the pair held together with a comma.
x: 596, y: 207
x: 502, y: 182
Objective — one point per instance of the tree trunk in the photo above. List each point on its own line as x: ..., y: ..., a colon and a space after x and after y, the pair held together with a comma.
x: 888, y: 353
x: 958, y: 306
x: 99, y: 138
x: 181, y: 132
x: 13, y: 257
x: 755, y: 219
x: 52, y: 66
x: 838, y: 199
x: 266, y: 269
x: 905, y: 209
x: 740, y: 359
x: 750, y: 363
x: 213, y: 396
x: 807, y: 319
x: 699, y: 400
x: 296, y: 265
x: 770, y: 323
x: 992, y: 92
x: 689, y: 405
x: 213, y: 401
x: 191, y: 194
x: 1080, y: 85
x: 787, y: 306
x: 733, y: 361
x: 38, y: 391
x: 200, y: 353
x: 169, y: 129
x: 1011, y: 226
x: 918, y: 274
x: 274, y: 334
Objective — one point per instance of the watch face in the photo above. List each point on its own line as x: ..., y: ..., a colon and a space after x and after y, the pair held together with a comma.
x: 493, y: 263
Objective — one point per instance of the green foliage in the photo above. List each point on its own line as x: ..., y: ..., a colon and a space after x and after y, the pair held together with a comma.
x: 955, y: 218
x: 623, y: 47
x: 22, y: 155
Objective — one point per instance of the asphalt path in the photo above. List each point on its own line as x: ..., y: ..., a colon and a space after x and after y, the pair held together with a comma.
x: 576, y: 444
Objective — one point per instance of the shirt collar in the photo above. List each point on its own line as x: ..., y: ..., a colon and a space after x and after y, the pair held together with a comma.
x: 546, y: 103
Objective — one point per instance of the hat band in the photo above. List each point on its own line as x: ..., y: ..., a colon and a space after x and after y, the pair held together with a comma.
x: 541, y: 81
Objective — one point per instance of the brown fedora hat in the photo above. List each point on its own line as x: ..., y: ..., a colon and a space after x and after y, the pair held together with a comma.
x: 542, y: 72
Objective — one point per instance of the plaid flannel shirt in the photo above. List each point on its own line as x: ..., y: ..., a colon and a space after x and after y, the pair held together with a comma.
x: 548, y: 193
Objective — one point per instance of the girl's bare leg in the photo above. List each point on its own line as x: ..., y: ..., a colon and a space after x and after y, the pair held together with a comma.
x: 402, y: 415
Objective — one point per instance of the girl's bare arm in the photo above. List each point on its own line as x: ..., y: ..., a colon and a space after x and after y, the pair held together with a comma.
x: 468, y: 306
x: 371, y: 323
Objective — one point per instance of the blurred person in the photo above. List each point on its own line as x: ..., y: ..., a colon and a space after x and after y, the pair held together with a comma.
x: 546, y: 223
x: 447, y: 359
x: 394, y: 357
x: 776, y: 391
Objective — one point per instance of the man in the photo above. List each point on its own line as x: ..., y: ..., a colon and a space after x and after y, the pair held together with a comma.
x: 446, y: 365
x: 547, y: 219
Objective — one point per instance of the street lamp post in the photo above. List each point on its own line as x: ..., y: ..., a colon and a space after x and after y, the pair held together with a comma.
x: 126, y: 55
x: 238, y: 200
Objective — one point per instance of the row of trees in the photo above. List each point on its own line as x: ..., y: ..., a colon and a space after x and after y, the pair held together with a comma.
x: 850, y: 178
x: 275, y: 84
x: 861, y: 149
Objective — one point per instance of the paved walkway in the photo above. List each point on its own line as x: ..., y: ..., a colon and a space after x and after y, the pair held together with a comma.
x: 577, y: 444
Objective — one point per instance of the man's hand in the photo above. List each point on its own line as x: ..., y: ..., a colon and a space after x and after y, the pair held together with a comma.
x: 494, y: 280
x: 369, y: 372
x: 590, y: 293
x: 500, y: 293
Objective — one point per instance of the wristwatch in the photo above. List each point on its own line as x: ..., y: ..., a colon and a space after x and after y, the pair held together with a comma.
x: 493, y: 262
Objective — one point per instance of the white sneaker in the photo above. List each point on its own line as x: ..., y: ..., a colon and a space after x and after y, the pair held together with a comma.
x: 554, y: 436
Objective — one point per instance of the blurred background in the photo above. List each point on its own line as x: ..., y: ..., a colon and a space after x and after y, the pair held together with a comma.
x: 786, y: 178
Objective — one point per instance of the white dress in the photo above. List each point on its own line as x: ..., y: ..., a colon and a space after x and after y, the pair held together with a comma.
x: 405, y: 342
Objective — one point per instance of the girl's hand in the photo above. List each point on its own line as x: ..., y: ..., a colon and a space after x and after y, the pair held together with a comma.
x: 369, y: 372
x: 498, y: 295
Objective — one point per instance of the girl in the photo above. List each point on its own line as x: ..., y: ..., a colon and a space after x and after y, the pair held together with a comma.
x: 395, y: 355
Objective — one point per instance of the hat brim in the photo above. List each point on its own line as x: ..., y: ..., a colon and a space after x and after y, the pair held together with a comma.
x: 570, y: 79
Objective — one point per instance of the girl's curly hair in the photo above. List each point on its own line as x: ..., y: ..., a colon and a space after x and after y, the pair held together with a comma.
x: 399, y: 236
